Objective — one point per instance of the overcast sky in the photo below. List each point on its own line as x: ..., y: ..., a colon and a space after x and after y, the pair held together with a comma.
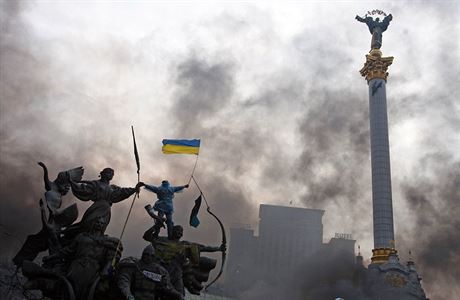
x: 274, y: 93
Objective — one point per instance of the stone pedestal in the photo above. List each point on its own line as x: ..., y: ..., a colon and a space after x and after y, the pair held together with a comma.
x: 393, y: 280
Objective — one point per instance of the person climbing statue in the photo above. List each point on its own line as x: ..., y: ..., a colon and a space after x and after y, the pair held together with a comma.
x: 164, y: 205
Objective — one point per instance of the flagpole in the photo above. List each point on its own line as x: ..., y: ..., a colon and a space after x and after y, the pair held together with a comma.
x: 193, y: 171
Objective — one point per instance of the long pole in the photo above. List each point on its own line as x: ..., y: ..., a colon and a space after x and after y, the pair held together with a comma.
x: 193, y: 171
x: 136, y: 156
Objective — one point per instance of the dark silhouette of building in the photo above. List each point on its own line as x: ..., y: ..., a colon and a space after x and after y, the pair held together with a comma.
x: 288, y: 237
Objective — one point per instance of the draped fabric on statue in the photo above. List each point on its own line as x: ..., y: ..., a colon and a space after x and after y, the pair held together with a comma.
x: 103, y: 195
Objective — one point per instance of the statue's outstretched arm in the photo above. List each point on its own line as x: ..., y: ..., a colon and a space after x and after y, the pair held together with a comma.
x: 360, y: 19
x: 179, y: 188
x: 212, y: 249
x: 119, y: 194
x: 151, y: 188
x: 386, y: 22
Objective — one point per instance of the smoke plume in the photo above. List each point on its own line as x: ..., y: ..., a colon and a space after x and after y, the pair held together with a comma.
x: 278, y: 104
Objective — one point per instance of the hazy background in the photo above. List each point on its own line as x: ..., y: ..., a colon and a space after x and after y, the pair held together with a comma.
x: 272, y: 90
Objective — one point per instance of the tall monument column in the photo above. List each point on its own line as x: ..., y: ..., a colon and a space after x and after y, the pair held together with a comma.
x: 375, y: 72
x: 386, y: 277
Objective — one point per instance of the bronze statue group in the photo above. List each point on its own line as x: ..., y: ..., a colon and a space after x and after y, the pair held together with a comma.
x: 84, y: 263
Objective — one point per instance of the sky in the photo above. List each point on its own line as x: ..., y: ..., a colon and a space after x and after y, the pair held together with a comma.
x: 273, y: 91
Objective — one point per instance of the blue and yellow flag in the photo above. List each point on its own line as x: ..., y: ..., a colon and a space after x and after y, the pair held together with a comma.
x: 181, y: 146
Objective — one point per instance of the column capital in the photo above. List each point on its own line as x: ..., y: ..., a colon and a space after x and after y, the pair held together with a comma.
x: 381, y: 255
x: 376, y: 66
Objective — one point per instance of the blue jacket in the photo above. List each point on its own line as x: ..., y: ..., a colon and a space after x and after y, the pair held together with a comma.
x: 165, y: 195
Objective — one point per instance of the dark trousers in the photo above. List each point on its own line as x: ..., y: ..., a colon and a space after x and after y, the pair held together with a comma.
x: 169, y: 221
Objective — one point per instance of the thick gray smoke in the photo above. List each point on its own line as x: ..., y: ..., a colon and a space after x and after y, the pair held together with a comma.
x: 294, y: 129
x: 334, y: 119
x: 433, y: 196
x: 38, y: 123
x: 17, y: 192
x: 320, y: 277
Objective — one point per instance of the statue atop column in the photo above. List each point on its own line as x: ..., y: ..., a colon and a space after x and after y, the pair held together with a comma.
x: 376, y: 27
x: 376, y: 66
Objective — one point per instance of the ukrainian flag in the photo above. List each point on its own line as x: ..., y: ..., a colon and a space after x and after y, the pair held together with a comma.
x: 181, y: 146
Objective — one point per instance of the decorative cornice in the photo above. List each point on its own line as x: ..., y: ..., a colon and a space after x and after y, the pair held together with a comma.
x: 380, y: 255
x: 376, y: 66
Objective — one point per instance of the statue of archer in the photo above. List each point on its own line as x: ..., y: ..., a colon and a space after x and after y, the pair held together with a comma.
x: 183, y: 260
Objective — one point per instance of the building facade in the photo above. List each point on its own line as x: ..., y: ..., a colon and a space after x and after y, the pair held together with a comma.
x: 288, y: 237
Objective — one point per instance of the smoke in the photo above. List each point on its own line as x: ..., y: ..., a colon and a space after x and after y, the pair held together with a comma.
x: 430, y: 188
x: 281, y: 118
x: 204, y: 91
x: 333, y: 166
x: 432, y: 196
x: 335, y: 160
x: 334, y: 121
x: 322, y: 276
x: 46, y: 116
x: 15, y: 207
